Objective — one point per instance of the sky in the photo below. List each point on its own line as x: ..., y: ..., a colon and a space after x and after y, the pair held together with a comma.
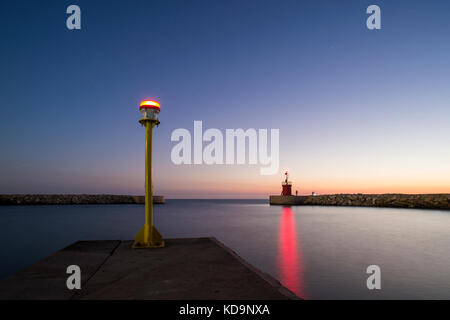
x: 357, y: 110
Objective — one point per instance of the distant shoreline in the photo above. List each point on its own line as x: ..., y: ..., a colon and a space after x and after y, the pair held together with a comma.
x: 67, y: 199
x: 389, y: 200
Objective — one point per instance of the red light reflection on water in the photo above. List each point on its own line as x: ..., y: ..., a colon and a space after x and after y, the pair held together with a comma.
x: 290, y: 256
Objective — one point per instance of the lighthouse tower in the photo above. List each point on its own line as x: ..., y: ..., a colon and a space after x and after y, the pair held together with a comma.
x: 287, y: 186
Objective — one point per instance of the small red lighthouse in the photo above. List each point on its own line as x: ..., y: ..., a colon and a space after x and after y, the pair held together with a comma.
x: 287, y: 186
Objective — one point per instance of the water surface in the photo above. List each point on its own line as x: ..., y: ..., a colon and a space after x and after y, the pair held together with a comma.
x: 317, y: 252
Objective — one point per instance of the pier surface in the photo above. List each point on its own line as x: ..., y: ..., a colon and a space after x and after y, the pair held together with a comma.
x: 393, y: 200
x: 197, y: 268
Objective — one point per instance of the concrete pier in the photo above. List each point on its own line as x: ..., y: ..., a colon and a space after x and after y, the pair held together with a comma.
x: 197, y: 268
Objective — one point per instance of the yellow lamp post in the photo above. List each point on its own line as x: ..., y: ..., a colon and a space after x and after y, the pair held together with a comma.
x: 148, y: 236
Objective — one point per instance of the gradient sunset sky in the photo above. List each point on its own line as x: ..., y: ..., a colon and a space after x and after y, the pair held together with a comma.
x: 358, y: 110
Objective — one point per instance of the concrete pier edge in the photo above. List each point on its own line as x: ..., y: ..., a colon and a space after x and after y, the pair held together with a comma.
x: 266, y: 277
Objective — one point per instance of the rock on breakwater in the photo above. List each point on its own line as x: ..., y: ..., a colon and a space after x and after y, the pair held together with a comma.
x: 393, y: 200
x: 54, y: 199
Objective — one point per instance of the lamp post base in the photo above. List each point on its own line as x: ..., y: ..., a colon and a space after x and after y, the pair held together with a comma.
x: 154, y: 240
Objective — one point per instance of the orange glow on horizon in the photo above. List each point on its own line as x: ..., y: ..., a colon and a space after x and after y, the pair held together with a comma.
x: 246, y: 183
x: 249, y: 186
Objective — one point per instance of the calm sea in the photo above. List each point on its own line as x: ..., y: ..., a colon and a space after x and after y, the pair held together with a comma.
x: 317, y: 252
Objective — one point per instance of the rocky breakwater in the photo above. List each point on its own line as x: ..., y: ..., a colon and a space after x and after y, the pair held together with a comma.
x: 423, y: 201
x: 62, y: 199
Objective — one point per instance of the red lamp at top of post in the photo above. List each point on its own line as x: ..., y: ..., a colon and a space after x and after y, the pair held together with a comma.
x: 150, y: 109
